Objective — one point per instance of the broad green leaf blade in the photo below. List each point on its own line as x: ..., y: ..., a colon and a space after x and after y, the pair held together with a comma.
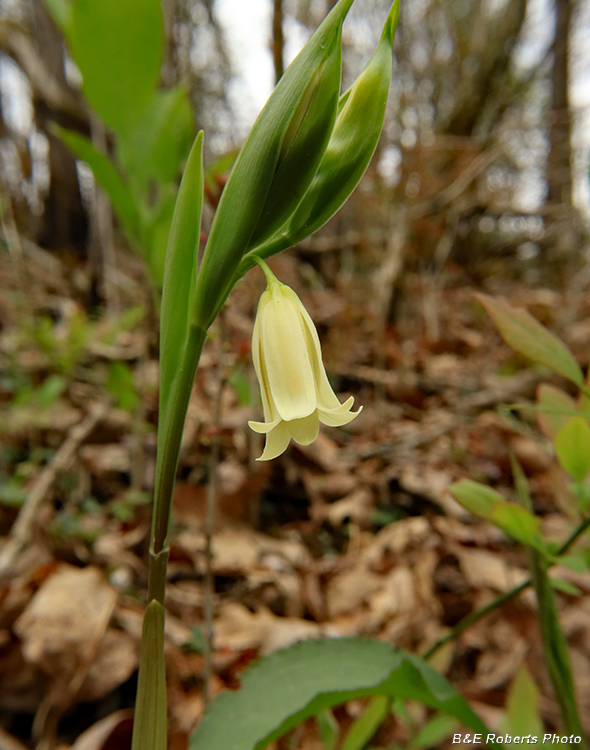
x: 523, y: 707
x: 159, y: 143
x: 521, y: 331
x: 180, y: 273
x: 107, y: 176
x: 367, y: 724
x: 150, y: 722
x: 572, y: 446
x: 481, y: 500
x: 117, y: 44
x: 289, y: 686
x: 559, y: 407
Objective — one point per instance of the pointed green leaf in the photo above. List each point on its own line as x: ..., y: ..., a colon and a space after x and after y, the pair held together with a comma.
x: 481, y: 500
x: 523, y: 706
x: 572, y: 446
x: 559, y: 407
x: 367, y: 724
x: 107, y: 176
x: 435, y: 732
x: 292, y: 685
x: 521, y: 331
x: 358, y: 126
x: 117, y: 45
x: 280, y: 133
x: 150, y: 721
x: 180, y: 272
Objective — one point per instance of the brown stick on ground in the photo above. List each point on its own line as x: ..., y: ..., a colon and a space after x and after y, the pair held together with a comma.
x: 22, y: 529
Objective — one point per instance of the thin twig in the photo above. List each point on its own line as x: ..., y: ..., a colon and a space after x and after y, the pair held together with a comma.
x: 210, y: 517
x: 473, y: 617
x: 22, y: 530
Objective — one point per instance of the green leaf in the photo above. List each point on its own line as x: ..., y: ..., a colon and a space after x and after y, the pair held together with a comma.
x: 121, y: 385
x: 572, y: 446
x: 434, y: 732
x: 565, y: 587
x: 280, y: 131
x: 150, y: 722
x: 521, y: 331
x: 107, y: 176
x: 117, y: 45
x: 289, y: 686
x: 367, y: 724
x: 361, y: 111
x: 180, y: 273
x: 328, y: 729
x: 523, y: 706
x: 158, y: 144
x: 559, y: 407
x: 515, y: 521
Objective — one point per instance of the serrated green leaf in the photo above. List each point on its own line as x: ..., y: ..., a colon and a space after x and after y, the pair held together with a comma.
x: 150, y: 722
x: 296, y: 683
x: 521, y: 331
x: 117, y: 45
x: 572, y: 446
x: 107, y: 176
x: 515, y: 521
x: 557, y: 403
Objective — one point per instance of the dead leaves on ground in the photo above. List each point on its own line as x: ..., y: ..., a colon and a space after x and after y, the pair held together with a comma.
x: 355, y: 534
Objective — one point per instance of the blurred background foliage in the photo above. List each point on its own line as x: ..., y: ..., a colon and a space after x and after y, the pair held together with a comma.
x: 483, y: 155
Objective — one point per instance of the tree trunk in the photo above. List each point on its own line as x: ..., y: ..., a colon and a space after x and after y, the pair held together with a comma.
x: 559, y: 163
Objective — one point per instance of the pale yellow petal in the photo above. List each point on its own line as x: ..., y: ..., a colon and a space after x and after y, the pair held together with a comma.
x: 277, y: 441
x: 304, y: 431
x: 326, y: 398
x: 336, y: 418
x: 263, y: 428
x: 271, y: 414
x: 284, y: 348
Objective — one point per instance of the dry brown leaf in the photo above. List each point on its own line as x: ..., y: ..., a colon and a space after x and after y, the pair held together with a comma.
x: 70, y: 611
x: 111, y: 733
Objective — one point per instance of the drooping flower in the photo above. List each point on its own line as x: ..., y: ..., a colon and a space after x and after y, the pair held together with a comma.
x: 296, y: 393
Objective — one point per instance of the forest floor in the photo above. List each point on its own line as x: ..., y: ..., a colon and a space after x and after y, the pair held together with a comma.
x: 356, y: 534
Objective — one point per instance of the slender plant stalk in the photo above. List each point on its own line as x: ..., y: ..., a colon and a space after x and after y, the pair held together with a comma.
x: 473, y: 617
x: 210, y: 520
x: 555, y: 647
x: 166, y: 470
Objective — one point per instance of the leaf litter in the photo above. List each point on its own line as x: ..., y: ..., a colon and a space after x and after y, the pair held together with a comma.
x: 354, y: 535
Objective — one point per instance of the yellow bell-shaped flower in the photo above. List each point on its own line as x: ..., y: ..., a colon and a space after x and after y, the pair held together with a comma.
x: 296, y: 393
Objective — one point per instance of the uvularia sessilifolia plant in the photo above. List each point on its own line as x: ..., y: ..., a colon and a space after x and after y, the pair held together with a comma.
x: 303, y: 157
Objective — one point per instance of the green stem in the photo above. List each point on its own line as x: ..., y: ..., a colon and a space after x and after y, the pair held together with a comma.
x: 473, y: 617
x: 167, y: 462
